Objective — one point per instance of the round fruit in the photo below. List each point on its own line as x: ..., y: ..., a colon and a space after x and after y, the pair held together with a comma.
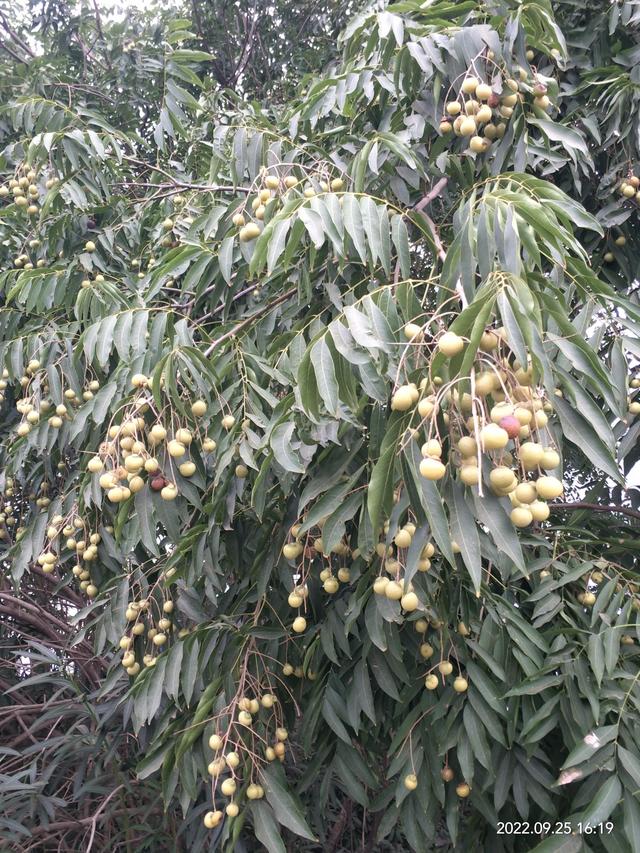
x: 299, y: 624
x: 380, y: 584
x: 411, y: 782
x: 212, y: 819
x: 502, y: 479
x: 446, y: 774
x: 463, y: 790
x: 232, y: 810
x: 521, y: 516
x: 216, y: 742
x: 539, y: 510
x: 292, y: 550
x: 413, y: 332
x: 493, y: 437
x: 393, y: 590
x: 402, y: 400
x: 187, y: 469
x: 426, y: 650
x: 169, y: 492
x: 526, y: 493
x: 531, y: 454
x: 176, y: 448
x: 198, y: 408
x: 238, y: 220
x: 483, y: 92
x: 331, y: 586
x: 470, y: 475
x: 550, y: 459
x: 432, y: 469
x: 548, y: 488
x: 249, y: 232
x: 409, y: 602
x: 228, y: 787
x: 445, y: 667
x: 89, y: 246
x: 477, y: 144
x: 511, y: 425
x: 469, y: 85
x: 453, y: 108
x: 588, y: 599
x: 431, y: 682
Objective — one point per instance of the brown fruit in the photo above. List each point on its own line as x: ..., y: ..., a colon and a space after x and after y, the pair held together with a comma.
x: 158, y: 483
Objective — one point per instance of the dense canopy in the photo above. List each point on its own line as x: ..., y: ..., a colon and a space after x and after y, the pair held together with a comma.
x: 320, y: 384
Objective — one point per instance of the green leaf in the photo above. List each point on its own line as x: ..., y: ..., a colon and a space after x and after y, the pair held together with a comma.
x: 604, y: 802
x: 281, y: 444
x: 465, y: 533
x: 266, y: 828
x: 324, y: 369
x: 382, y: 479
x: 285, y: 806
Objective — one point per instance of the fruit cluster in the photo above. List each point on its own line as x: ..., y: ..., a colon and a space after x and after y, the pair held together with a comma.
x: 502, y: 421
x: 481, y: 111
x: 24, y: 191
x: 243, y: 716
x: 274, y: 189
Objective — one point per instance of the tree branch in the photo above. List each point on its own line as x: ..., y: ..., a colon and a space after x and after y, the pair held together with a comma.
x: 239, y: 326
x: 612, y: 508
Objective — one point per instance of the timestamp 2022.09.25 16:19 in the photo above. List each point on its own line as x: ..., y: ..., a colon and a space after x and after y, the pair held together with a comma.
x: 546, y: 827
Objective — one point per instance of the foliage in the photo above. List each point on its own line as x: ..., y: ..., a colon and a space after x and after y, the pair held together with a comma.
x: 241, y: 345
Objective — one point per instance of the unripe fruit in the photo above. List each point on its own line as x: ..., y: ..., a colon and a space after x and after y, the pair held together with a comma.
x: 295, y: 600
x: 199, y: 408
x: 483, y: 92
x: 588, y: 599
x: 425, y: 407
x: 445, y: 667
x: 453, y: 108
x: 460, y: 684
x: 521, y: 516
x: 159, y: 639
x: 249, y: 232
x: 411, y: 782
x: 531, y: 454
x: 467, y: 445
x: 432, y: 469
x: 232, y: 810
x: 548, y: 488
x: 431, y: 682
x: 299, y: 624
x: 446, y: 774
x: 238, y: 220
x: 331, y: 586
x: 292, y: 550
x: 169, y: 492
x: 241, y: 471
x: 187, y: 469
x: 477, y: 144
x: 228, y: 421
x: 176, y: 448
x: 539, y: 510
x: 89, y: 246
x: 493, y: 437
x: 463, y: 790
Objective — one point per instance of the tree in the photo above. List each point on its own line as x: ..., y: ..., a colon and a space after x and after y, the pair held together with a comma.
x: 318, y: 420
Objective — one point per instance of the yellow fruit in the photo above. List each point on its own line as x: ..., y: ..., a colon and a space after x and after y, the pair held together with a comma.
x: 292, y: 550
x: 380, y: 584
x: 425, y: 407
x: 409, y: 602
x: 187, y: 469
x: 176, y: 448
x: 228, y: 421
x: 432, y: 469
x: 228, y: 787
x: 249, y: 232
x: 469, y: 85
x: 232, y: 810
x: 526, y: 493
x: 493, y: 437
x: 95, y: 465
x: 134, y: 463
x: 413, y: 332
x: 460, y: 684
x: 550, y: 460
x: 402, y: 539
x: 477, y: 144
x: 445, y: 667
x: 393, y: 590
x: 238, y: 220
x: 290, y: 182
x: 463, y: 790
x: 468, y: 126
x: 483, y: 92
x: 548, y: 488
x: 531, y: 454
x: 489, y: 340
x: 337, y: 184
x: 588, y: 599
x: 521, y: 516
x: 299, y: 624
x: 169, y: 492
x: 411, y: 782
x: 445, y: 127
x: 446, y: 774
x: 470, y: 475
x: 89, y: 246
x: 198, y: 408
x: 159, y: 639
x: 402, y: 400
x: 502, y: 479
x: 431, y: 682
x: 453, y: 108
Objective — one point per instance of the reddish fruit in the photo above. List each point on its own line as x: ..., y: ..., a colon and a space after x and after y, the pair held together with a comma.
x: 511, y: 425
x: 158, y: 483
x: 493, y: 100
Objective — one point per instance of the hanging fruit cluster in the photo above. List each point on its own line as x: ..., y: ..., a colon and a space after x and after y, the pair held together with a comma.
x: 499, y: 425
x: 481, y: 111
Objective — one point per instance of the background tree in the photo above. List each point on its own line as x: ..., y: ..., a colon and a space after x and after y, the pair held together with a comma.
x: 318, y: 420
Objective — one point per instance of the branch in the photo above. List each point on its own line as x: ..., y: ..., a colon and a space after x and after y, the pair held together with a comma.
x: 239, y: 326
x: 434, y: 192
x: 624, y: 510
x: 14, y: 35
